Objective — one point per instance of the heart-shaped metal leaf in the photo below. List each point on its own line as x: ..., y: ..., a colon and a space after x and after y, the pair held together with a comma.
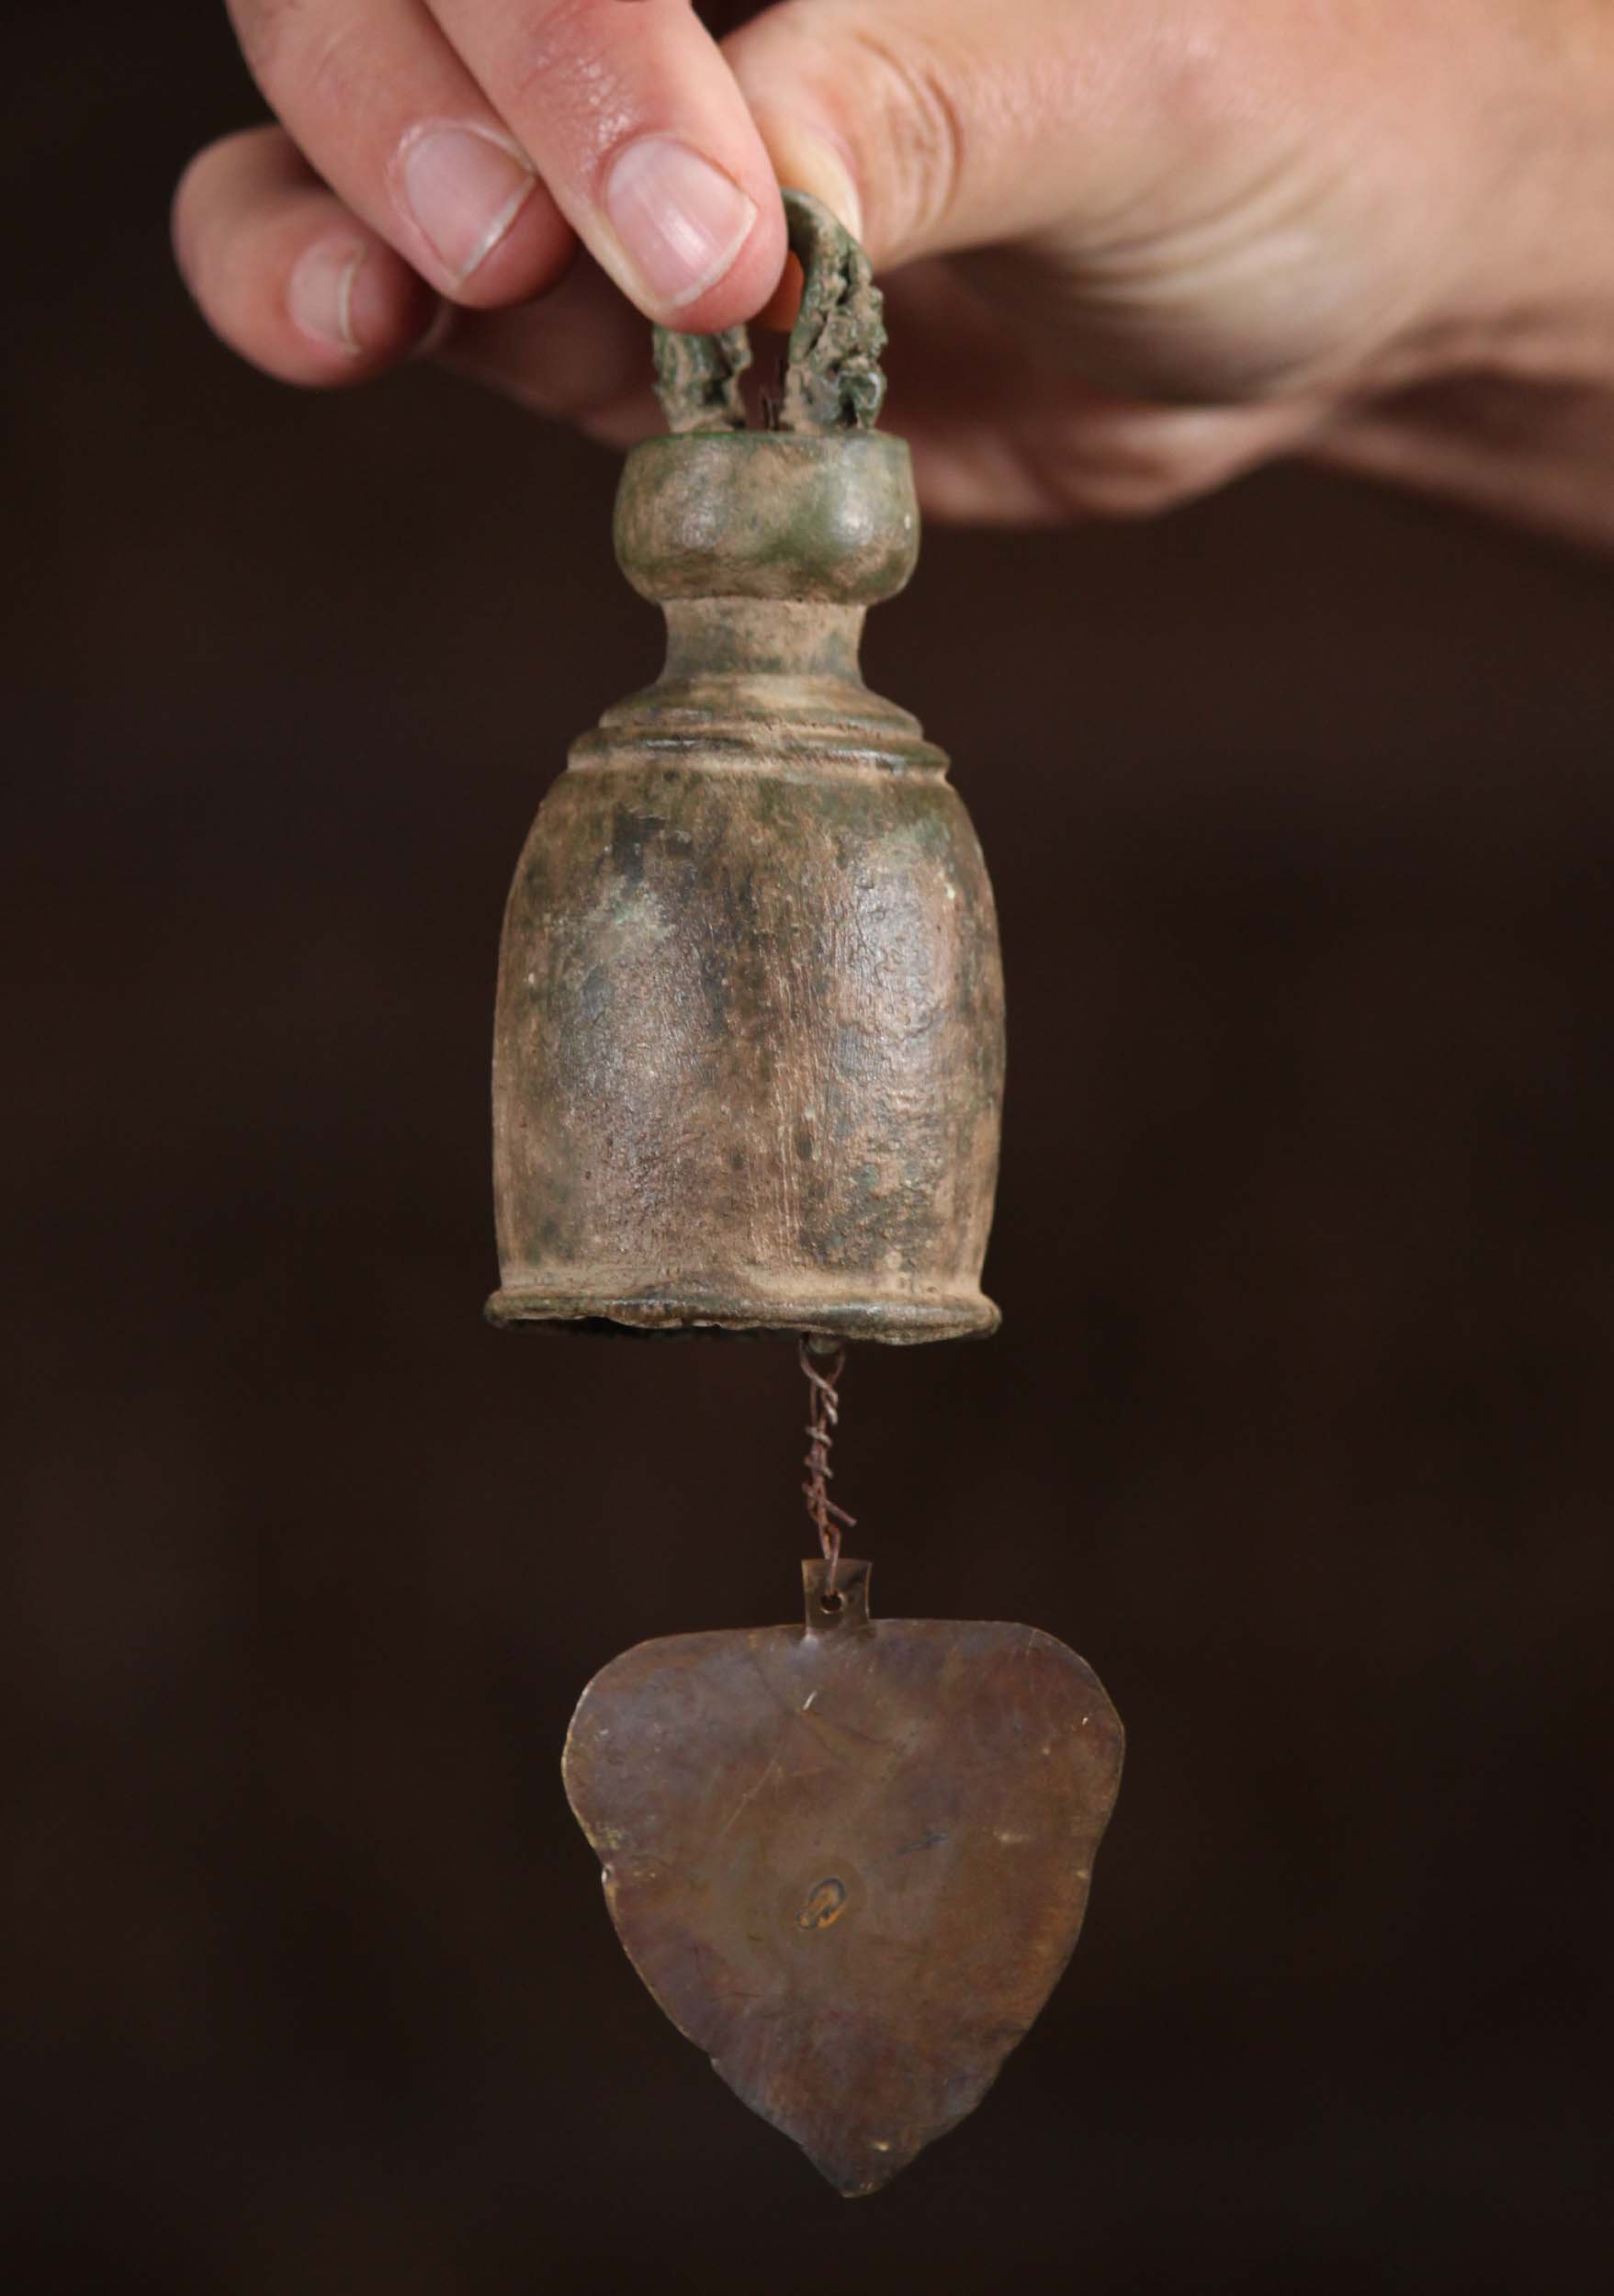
x: 849, y: 1860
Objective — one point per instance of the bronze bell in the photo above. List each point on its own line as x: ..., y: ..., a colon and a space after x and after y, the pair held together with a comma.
x: 749, y: 1051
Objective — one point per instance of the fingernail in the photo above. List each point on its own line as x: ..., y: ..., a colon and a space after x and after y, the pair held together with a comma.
x: 806, y: 163
x: 320, y: 293
x: 464, y: 191
x: 681, y: 220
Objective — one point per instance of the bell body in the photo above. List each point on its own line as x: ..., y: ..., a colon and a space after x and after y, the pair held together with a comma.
x: 749, y: 1051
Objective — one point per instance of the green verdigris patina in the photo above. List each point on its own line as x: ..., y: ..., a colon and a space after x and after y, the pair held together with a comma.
x: 749, y: 1051
x: 832, y: 379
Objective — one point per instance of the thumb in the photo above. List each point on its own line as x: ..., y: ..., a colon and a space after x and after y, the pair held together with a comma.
x: 933, y: 126
x: 1202, y: 202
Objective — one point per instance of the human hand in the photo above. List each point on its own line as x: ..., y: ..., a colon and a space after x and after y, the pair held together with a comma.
x: 1137, y: 245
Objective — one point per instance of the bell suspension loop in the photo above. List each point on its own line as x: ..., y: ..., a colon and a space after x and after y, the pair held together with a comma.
x: 830, y: 379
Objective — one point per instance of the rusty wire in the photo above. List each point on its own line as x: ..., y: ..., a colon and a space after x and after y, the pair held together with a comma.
x: 827, y: 1518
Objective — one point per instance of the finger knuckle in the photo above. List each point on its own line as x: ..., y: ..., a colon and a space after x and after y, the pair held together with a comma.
x: 1129, y: 471
x: 181, y: 222
x: 559, y: 57
x: 193, y: 194
x: 920, y: 128
x: 265, y: 28
x: 295, y: 50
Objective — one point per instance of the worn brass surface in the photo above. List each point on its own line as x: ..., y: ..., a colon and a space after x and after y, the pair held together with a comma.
x: 749, y: 1049
x: 849, y: 1858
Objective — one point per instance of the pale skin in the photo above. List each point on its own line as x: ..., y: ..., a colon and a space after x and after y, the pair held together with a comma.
x: 1130, y: 247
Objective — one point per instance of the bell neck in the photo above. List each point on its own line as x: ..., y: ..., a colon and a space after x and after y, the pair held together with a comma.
x: 751, y: 676
x: 753, y: 637
x: 764, y: 552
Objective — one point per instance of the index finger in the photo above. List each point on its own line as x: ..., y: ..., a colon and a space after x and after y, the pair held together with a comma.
x: 635, y: 122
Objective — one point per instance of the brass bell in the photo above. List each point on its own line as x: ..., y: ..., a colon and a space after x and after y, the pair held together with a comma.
x: 748, y: 1049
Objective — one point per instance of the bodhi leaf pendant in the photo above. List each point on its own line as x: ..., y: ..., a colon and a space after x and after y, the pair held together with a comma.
x: 748, y: 1073
x: 849, y: 1858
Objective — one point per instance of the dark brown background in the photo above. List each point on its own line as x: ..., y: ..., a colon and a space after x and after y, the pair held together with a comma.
x: 1300, y: 807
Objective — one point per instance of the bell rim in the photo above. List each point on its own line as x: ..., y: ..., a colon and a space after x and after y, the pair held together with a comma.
x: 887, y: 1321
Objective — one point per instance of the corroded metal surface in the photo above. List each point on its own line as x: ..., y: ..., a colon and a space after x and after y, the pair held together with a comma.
x: 849, y: 1860
x: 748, y: 1060
x: 830, y: 379
x: 697, y: 379
x: 749, y: 1051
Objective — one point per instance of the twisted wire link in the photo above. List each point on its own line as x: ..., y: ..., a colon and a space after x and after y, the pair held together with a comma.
x: 827, y: 1518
